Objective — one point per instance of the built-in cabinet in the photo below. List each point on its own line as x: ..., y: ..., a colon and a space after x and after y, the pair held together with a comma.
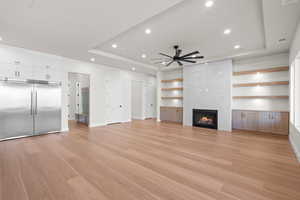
x: 171, y: 114
x: 171, y: 109
x: 264, y: 121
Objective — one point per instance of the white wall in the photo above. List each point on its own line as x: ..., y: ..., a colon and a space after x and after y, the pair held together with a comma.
x: 208, y: 86
x: 33, y: 65
x: 294, y: 130
x: 295, y: 47
x: 295, y: 107
x: 264, y: 62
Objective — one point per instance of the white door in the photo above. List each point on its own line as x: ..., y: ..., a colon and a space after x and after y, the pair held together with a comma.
x: 113, y: 98
x: 150, y: 106
x: 137, y: 100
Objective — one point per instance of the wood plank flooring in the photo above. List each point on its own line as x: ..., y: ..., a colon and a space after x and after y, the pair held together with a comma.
x: 145, y: 160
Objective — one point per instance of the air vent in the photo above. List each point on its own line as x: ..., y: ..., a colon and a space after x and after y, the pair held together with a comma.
x: 288, y: 2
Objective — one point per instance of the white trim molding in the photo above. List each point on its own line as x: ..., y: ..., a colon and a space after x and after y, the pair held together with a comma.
x: 97, y: 125
x: 294, y: 133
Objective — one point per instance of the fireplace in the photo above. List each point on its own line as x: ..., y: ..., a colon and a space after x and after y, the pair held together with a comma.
x: 205, y: 118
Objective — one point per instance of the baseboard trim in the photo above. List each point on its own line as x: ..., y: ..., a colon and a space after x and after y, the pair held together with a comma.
x: 64, y: 130
x: 294, y: 147
x: 97, y: 125
x: 138, y: 118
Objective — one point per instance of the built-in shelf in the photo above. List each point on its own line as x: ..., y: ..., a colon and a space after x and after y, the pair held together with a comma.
x: 172, y: 80
x: 172, y: 98
x: 260, y: 97
x: 171, y: 89
x: 268, y: 70
x: 274, y: 83
x: 175, y: 107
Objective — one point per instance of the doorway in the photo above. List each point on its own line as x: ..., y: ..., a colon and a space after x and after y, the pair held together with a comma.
x: 143, y: 100
x: 79, y: 98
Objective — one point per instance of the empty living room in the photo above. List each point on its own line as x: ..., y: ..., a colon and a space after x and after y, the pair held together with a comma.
x: 150, y: 100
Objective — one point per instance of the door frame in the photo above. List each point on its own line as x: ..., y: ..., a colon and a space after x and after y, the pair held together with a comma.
x: 89, y: 83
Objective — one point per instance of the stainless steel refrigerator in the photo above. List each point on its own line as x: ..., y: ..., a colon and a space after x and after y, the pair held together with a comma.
x: 29, y: 108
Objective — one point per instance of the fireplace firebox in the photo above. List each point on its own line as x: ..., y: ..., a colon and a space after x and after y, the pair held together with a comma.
x: 205, y: 118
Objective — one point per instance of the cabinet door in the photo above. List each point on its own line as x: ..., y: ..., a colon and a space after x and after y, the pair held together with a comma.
x: 250, y: 120
x: 173, y: 115
x: 265, y: 122
x: 237, y: 119
x: 179, y: 115
x: 163, y: 114
x: 280, y: 122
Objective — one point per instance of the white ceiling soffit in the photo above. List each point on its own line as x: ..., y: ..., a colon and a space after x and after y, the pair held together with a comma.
x: 280, y: 20
x: 116, y: 57
x: 71, y: 28
x: 194, y: 27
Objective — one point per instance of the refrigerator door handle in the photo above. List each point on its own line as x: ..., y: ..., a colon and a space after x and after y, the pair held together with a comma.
x: 36, y: 111
x: 31, y: 103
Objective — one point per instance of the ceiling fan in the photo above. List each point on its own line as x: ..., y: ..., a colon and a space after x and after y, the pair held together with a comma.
x: 189, y: 58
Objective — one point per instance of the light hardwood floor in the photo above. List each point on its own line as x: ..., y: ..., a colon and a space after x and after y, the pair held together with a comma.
x: 145, y: 160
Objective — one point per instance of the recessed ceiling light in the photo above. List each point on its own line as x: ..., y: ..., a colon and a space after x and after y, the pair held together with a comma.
x: 114, y: 46
x: 209, y: 4
x: 237, y: 46
x: 93, y: 59
x: 227, y: 31
x: 1, y: 39
x: 148, y: 31
x: 133, y: 68
x: 144, y: 56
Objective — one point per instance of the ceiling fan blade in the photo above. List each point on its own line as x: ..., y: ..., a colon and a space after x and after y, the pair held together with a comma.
x: 189, y: 61
x: 180, y: 63
x: 170, y: 63
x: 196, y: 57
x: 190, y: 54
x: 165, y: 55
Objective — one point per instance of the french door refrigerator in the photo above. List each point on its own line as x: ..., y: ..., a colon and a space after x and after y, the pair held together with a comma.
x: 29, y: 108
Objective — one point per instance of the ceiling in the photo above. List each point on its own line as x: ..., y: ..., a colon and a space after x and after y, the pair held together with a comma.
x: 81, y: 30
x: 71, y: 28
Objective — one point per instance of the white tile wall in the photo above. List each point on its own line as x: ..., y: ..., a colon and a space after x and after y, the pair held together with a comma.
x: 208, y: 86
